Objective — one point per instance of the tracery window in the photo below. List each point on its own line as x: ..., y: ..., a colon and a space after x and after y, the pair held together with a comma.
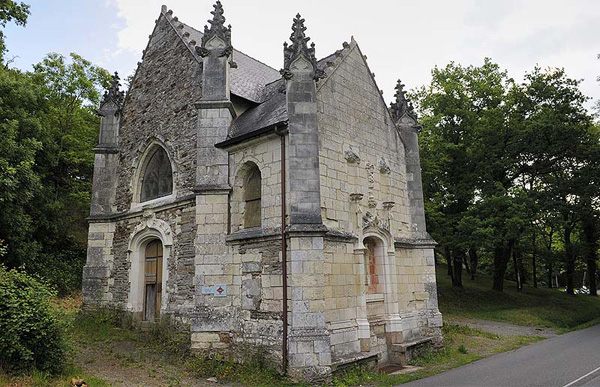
x: 252, y: 198
x: 158, y: 176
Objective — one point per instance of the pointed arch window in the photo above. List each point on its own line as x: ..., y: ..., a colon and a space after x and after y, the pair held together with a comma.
x: 252, y: 198
x: 158, y: 176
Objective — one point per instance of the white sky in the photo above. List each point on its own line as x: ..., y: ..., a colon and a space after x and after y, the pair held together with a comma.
x: 402, y: 39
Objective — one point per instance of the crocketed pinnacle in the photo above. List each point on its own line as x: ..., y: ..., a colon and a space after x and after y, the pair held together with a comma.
x: 299, y: 47
x: 402, y: 106
x: 113, y: 93
x: 217, y: 28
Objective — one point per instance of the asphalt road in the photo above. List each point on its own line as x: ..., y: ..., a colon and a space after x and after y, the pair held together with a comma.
x: 572, y: 359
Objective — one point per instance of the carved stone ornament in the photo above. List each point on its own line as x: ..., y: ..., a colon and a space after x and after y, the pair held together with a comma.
x: 299, y: 49
x: 351, y: 155
x: 372, y: 203
x: 356, y: 197
x: 383, y: 166
x: 149, y: 221
x: 402, y: 106
x: 388, y: 205
x: 113, y: 93
x: 370, y: 220
x: 217, y: 37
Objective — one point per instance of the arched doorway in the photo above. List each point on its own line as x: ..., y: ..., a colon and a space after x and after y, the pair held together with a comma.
x: 153, y: 268
x: 374, y: 260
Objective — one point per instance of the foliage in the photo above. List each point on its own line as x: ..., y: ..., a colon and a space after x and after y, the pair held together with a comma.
x: 48, y: 128
x: 505, y: 162
x: 31, y: 335
x: 11, y: 10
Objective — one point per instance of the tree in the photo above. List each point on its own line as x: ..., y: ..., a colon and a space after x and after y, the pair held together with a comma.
x: 9, y: 11
x: 555, y: 132
x: 48, y: 128
x: 460, y: 104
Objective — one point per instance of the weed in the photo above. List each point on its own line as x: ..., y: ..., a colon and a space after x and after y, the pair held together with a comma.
x: 462, y: 349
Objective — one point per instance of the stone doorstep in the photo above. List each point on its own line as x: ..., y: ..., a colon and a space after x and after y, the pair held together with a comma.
x: 403, y: 347
x: 343, y: 363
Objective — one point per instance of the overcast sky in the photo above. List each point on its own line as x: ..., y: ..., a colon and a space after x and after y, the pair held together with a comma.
x: 402, y: 39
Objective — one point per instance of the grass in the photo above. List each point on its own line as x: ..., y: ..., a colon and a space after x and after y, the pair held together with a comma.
x: 541, y: 307
x: 462, y: 345
x: 163, y: 354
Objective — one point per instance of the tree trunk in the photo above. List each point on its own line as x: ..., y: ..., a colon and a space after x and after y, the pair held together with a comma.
x: 534, y: 263
x: 473, y: 258
x: 449, y: 262
x: 570, y: 257
x: 590, y: 231
x: 457, y: 269
x: 550, y: 268
x: 467, y: 268
x: 502, y: 255
x: 517, y: 271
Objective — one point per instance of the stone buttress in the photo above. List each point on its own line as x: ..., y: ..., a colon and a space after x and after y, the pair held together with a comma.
x: 214, y: 317
x: 420, y: 315
x: 96, y: 273
x: 309, y: 343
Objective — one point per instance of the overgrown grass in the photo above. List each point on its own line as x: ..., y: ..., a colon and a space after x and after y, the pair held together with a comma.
x: 462, y: 345
x: 541, y: 307
x: 253, y: 372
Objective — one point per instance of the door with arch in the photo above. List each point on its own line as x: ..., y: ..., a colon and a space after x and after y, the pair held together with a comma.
x: 153, y: 264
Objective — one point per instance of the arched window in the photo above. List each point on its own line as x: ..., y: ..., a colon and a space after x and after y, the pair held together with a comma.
x: 252, y: 198
x: 158, y: 177
x: 373, y: 268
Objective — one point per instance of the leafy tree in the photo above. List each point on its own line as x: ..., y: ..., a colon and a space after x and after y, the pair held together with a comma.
x: 11, y: 10
x: 555, y: 132
x: 49, y: 128
x: 21, y: 101
x: 460, y: 105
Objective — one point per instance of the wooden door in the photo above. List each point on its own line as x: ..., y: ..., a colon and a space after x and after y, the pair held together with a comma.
x: 153, y: 280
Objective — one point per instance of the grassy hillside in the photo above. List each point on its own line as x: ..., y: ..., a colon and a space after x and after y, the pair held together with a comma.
x: 541, y: 307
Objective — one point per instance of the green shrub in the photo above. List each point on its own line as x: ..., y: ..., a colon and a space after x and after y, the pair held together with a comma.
x: 31, y: 335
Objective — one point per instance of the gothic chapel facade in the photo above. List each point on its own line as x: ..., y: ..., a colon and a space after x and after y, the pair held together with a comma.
x: 215, y: 168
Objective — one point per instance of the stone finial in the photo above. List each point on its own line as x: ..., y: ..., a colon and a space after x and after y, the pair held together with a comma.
x: 299, y: 48
x: 402, y: 105
x: 217, y: 29
x: 113, y: 93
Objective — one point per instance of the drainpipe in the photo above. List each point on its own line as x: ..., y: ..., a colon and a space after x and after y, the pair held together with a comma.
x: 284, y: 349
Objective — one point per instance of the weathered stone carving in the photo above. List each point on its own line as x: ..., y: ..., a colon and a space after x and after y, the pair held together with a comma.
x: 383, y: 166
x: 370, y: 220
x: 402, y: 106
x: 217, y: 36
x: 299, y: 49
x: 351, y: 155
x: 113, y: 93
x: 356, y: 197
x: 371, y: 179
x: 149, y: 221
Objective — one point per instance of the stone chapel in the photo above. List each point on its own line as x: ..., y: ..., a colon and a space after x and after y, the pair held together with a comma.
x: 280, y: 210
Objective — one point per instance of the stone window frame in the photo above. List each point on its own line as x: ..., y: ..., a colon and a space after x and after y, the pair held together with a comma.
x: 140, y: 165
x: 238, y: 196
x: 148, y: 230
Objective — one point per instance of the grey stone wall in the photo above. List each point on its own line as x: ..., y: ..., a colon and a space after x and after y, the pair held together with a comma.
x: 159, y: 105
x: 360, y: 150
x: 180, y: 283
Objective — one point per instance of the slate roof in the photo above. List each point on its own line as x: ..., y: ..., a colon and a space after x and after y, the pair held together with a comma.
x: 250, y: 77
x: 258, y: 83
x: 270, y: 112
